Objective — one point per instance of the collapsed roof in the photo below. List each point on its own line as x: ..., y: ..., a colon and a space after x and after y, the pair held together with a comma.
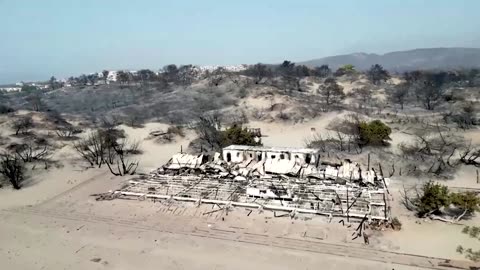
x: 294, y: 184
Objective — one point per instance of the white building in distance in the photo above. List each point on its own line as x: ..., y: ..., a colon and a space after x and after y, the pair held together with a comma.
x: 11, y: 89
x: 232, y: 68
x: 112, y: 76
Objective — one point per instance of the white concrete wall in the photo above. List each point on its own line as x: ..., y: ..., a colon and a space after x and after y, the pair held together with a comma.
x: 250, y: 154
x: 235, y: 156
x: 11, y: 89
x: 238, y: 156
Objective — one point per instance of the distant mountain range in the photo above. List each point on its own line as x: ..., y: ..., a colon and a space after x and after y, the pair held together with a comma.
x: 430, y: 58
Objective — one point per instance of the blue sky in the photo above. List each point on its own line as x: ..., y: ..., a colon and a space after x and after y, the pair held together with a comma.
x: 69, y: 37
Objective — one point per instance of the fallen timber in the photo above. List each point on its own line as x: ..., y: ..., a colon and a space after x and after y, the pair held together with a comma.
x: 242, y: 204
x: 275, y: 194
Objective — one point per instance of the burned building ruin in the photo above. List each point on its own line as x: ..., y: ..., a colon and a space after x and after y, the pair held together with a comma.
x: 294, y: 180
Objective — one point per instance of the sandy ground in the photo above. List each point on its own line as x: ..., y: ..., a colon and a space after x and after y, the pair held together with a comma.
x: 73, y: 231
x: 36, y: 243
x: 294, y: 135
x: 155, y: 154
x: 473, y: 136
x: 54, y: 223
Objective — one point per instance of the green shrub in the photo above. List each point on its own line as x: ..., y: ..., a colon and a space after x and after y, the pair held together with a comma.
x: 237, y: 135
x: 467, y: 201
x: 435, y: 196
x: 345, y: 70
x: 374, y: 133
x: 212, y: 137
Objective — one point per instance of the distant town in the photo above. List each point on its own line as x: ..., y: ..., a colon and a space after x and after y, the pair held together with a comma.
x: 111, y: 76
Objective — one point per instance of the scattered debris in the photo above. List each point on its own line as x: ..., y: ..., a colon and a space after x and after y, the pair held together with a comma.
x: 78, y: 250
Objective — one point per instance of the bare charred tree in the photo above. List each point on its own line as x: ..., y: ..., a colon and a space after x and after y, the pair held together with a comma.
x: 12, y: 168
x: 430, y: 89
x: 216, y: 77
x: 54, y: 83
x: 171, y: 73
x: 22, y: 125
x: 473, y: 77
x: 377, y: 74
x: 292, y: 75
x: 134, y: 117
x: 4, y: 109
x: 146, y: 75
x: 55, y: 117
x: 258, y: 72
x: 433, y: 150
x: 187, y: 75
x: 399, y: 94
x: 92, y: 78
x: 288, y: 73
x: 35, y: 101
x: 331, y: 91
x: 412, y: 76
x: 63, y: 128
x: 430, y: 96
x: 470, y: 155
x: 161, y: 82
x: 344, y: 137
x: 105, y: 74
x: 235, y: 78
x: 301, y: 72
x: 322, y: 71
x: 123, y: 165
x: 132, y: 147
x: 110, y: 123
x: 124, y: 77
x: 465, y: 118
x: 30, y: 152
x: 92, y: 149
x: 208, y: 130
x: 67, y: 131
x: 317, y: 141
x: 97, y: 147
x: 364, y: 94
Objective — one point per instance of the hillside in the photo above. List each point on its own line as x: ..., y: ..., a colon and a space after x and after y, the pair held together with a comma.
x: 72, y: 142
x: 431, y: 58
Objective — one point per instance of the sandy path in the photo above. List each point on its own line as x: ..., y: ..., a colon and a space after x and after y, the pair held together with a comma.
x: 43, y: 243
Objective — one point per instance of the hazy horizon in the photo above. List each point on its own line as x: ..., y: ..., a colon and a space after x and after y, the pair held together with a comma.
x: 61, y: 38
